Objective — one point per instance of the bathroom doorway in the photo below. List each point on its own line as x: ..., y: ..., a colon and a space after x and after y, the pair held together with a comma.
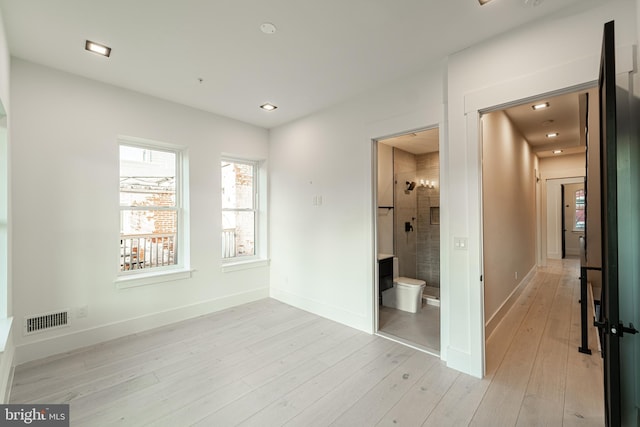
x: 408, y: 239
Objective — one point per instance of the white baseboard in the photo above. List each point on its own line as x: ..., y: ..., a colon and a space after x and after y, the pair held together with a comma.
x: 430, y: 301
x: 461, y: 361
x: 337, y: 314
x: 65, y: 343
x: 493, y: 322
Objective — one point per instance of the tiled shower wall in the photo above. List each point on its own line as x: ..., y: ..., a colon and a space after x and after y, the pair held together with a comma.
x: 406, y: 210
x: 428, y: 230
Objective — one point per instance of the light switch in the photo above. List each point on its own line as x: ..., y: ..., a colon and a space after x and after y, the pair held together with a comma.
x: 460, y: 243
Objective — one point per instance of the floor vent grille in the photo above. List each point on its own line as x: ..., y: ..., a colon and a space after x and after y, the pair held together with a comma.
x: 47, y: 321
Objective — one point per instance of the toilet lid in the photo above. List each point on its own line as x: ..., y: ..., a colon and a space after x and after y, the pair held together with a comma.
x: 410, y: 282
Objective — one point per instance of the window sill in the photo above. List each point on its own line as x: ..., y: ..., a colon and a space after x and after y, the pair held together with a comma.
x: 143, y: 279
x: 244, y: 265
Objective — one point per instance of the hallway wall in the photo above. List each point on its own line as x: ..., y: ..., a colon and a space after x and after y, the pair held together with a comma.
x: 509, y: 209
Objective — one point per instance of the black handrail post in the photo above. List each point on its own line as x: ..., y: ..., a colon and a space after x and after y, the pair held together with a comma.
x: 584, y: 348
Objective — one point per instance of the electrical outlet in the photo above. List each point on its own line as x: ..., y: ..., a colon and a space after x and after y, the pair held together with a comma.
x: 82, y: 311
x: 516, y: 275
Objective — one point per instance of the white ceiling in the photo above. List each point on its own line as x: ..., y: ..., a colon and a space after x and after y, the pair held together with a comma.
x: 420, y: 142
x: 323, y: 53
x: 565, y: 115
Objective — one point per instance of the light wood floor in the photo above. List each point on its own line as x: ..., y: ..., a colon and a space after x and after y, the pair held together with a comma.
x: 268, y: 364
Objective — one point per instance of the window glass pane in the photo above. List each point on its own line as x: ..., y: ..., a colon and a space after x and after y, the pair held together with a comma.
x: 580, y: 211
x: 238, y: 233
x: 148, y: 231
x: 142, y: 222
x: 580, y: 220
x: 147, y: 177
x: 148, y: 238
x: 237, y: 185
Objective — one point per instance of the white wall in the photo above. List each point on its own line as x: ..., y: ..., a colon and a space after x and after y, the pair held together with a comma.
x: 558, y: 52
x: 323, y: 257
x: 5, y: 61
x: 66, y: 214
x: 7, y: 346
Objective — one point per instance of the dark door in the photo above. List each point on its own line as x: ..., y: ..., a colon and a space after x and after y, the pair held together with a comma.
x: 609, y: 218
x: 619, y: 176
x: 563, y: 227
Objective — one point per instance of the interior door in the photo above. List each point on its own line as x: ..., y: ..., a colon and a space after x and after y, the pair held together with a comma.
x: 563, y: 227
x: 619, y: 174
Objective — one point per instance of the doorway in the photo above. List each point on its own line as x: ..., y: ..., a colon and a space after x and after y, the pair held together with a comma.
x: 408, y: 239
x: 531, y: 151
x: 563, y: 228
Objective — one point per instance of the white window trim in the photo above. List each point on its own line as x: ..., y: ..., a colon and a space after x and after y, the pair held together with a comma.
x: 181, y: 270
x: 260, y: 257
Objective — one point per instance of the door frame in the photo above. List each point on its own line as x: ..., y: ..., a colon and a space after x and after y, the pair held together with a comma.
x: 374, y: 169
x: 575, y: 75
x: 400, y: 125
x: 570, y: 176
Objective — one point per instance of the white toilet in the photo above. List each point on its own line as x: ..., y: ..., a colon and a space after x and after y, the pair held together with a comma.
x: 406, y: 294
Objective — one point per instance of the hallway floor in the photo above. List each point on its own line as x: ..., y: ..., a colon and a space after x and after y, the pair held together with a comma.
x: 537, y: 376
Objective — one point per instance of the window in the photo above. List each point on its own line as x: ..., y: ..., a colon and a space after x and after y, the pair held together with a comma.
x: 579, y: 222
x: 239, y: 209
x: 150, y: 208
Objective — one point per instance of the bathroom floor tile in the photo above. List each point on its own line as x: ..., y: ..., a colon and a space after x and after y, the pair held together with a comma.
x: 422, y: 328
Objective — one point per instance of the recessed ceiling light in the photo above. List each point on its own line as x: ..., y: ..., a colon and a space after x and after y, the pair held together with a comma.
x: 540, y: 106
x: 268, y: 107
x: 268, y: 28
x: 552, y: 135
x: 557, y: 151
x: 547, y: 123
x: 97, y: 48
